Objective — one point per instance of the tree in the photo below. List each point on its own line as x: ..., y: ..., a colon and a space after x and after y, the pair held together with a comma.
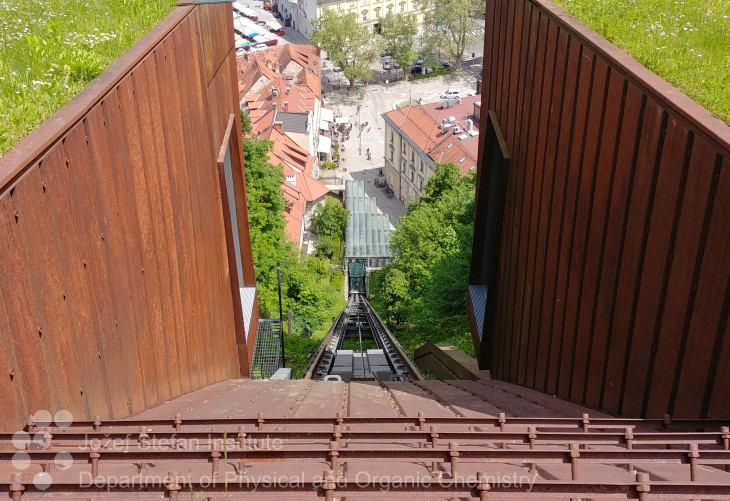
x: 399, y: 36
x: 452, y: 26
x: 347, y: 43
x: 330, y: 219
x: 245, y: 124
x: 444, y: 178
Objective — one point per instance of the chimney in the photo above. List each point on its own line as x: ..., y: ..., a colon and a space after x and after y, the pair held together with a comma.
x: 469, y: 124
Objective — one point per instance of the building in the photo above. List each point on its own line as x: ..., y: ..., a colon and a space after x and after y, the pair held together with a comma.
x: 419, y: 137
x: 304, y: 13
x: 280, y: 90
x: 368, y: 232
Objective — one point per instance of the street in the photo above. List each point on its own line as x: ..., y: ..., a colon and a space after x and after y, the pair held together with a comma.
x: 380, y: 98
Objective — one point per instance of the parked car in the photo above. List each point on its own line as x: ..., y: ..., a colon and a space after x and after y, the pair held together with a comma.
x: 271, y: 41
x: 259, y: 46
x: 386, y: 54
x: 277, y: 15
x: 280, y: 32
x: 451, y: 94
x: 336, y: 68
x: 387, y: 65
x: 261, y: 23
x: 396, y: 65
x: 417, y: 69
x: 445, y: 65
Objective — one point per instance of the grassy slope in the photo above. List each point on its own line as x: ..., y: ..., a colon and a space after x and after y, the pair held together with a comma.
x: 685, y: 42
x: 49, y: 50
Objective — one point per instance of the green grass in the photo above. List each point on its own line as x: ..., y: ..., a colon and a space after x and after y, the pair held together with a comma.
x: 49, y: 50
x: 685, y: 42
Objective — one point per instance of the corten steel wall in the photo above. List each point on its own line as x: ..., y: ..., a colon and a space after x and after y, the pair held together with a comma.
x: 613, y: 277
x: 115, y: 289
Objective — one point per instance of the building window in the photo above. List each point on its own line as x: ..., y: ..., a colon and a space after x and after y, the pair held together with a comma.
x: 391, y: 155
x: 402, y: 6
x: 413, y: 173
x: 352, y: 5
x: 415, y: 4
x: 377, y: 12
x: 364, y: 15
x: 421, y: 165
x: 338, y: 7
x: 413, y: 156
x: 364, y: 2
x: 403, y: 143
x: 390, y: 9
x: 420, y: 183
x: 391, y: 132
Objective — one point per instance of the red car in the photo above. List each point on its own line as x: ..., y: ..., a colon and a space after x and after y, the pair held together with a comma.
x: 273, y: 41
x: 279, y: 32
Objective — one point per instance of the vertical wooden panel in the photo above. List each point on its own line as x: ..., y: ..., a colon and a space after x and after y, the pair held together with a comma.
x: 596, y: 231
x: 613, y: 247
x: 181, y: 209
x: 54, y: 327
x: 679, y: 297
x: 134, y: 186
x: 76, y: 295
x: 559, y: 348
x: 11, y: 386
x: 35, y: 374
x: 658, y: 246
x: 651, y: 132
x: 87, y: 200
x: 539, y: 176
x: 706, y: 365
x: 570, y: 99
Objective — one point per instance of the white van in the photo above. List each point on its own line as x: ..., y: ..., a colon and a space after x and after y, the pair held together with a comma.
x: 451, y: 94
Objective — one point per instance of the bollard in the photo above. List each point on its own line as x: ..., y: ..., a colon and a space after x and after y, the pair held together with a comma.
x: 574, y: 455
x: 337, y: 435
x: 215, y: 458
x: 643, y: 487
x: 693, y: 454
x: 334, y: 463
x: 241, y: 436
x: 482, y: 486
x: 94, y: 457
x: 434, y: 436
x: 16, y: 486
x: 173, y: 487
x: 454, y: 453
x: 329, y: 485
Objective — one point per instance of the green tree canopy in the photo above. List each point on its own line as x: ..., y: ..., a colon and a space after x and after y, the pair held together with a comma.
x: 399, y: 36
x: 348, y: 44
x: 330, y: 219
x: 453, y: 25
x: 426, y: 281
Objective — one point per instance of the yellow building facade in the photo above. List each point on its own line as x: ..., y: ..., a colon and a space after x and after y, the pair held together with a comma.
x: 370, y: 11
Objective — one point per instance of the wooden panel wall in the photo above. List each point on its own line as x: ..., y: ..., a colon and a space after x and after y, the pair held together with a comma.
x: 615, y: 271
x: 115, y: 293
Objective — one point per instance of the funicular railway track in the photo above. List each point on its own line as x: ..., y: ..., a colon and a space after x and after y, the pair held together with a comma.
x: 359, y: 322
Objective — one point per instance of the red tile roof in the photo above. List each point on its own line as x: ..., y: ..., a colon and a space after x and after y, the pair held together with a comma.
x: 421, y: 124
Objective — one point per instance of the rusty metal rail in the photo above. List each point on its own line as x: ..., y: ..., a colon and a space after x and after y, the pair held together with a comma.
x: 422, y: 422
x: 160, y: 440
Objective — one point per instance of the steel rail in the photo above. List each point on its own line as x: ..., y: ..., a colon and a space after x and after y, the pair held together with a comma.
x: 63, y: 439
x: 421, y: 422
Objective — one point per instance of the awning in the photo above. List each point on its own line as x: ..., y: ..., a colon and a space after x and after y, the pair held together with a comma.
x: 325, y: 144
x: 327, y: 115
x: 324, y: 125
x: 273, y: 25
x: 342, y: 120
x: 249, y: 13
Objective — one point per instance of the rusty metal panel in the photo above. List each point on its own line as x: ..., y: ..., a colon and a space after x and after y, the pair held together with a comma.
x: 597, y: 215
x: 614, y: 240
x: 525, y: 292
x: 76, y: 295
x: 660, y: 221
x: 114, y: 287
x: 707, y: 355
x: 679, y: 299
x: 534, y: 329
